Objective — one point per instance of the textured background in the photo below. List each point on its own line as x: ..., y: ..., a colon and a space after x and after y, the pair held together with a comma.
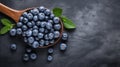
x: 94, y: 43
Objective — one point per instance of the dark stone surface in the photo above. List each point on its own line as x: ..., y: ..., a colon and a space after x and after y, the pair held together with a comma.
x: 94, y: 43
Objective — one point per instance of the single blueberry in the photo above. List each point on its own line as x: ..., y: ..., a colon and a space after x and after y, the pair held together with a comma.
x: 28, y: 33
x: 13, y: 32
x: 25, y: 57
x: 41, y: 16
x: 57, y: 26
x: 30, y: 39
x: 33, y: 23
x: 35, y: 27
x: 46, y: 37
x: 38, y: 23
x: 19, y: 31
x: 42, y: 42
x: 13, y: 47
x: 25, y: 14
x: 48, y: 25
x: 25, y: 20
x: 47, y: 12
x: 42, y: 8
x: 56, y: 34
x: 63, y: 46
x: 21, y: 19
x: 50, y: 50
x: 64, y: 36
x: 56, y: 19
x: 35, y: 18
x: 29, y: 16
x: 33, y: 56
x: 35, y: 44
x: 41, y: 30
x: 43, y: 24
x: 51, y: 36
x: 24, y: 27
x: 35, y: 32
x: 29, y: 24
x: 40, y: 35
x: 35, y: 11
x: 19, y: 24
x: 50, y: 21
x: 52, y: 16
x: 50, y: 58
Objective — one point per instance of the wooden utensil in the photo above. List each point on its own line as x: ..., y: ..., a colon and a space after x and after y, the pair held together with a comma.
x: 15, y: 15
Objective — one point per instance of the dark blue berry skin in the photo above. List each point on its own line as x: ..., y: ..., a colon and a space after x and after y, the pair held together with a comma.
x: 42, y: 9
x: 19, y: 24
x: 25, y: 14
x: 64, y: 36
x: 50, y: 21
x: 57, y: 26
x: 46, y: 31
x: 35, y: 11
x: 25, y: 20
x: 41, y: 30
x: 30, y: 16
x: 21, y: 19
x: 50, y: 50
x: 46, y: 37
x: 35, y: 32
x: 33, y: 56
x: 19, y: 31
x: 46, y: 42
x: 29, y: 24
x: 42, y: 24
x: 42, y: 42
x: 35, y: 44
x: 38, y: 23
x: 28, y: 33
x: 56, y: 34
x: 52, y: 16
x: 35, y: 27
x: 13, y: 32
x: 24, y: 27
x: 50, y: 58
x: 51, y: 36
x: 35, y: 18
x: 41, y: 16
x: 48, y: 26
x: 56, y: 20
x: 46, y: 18
x: 40, y: 35
x: 25, y: 57
x: 13, y: 47
x: 31, y: 40
x: 47, y: 12
x: 52, y: 30
x: 63, y: 46
x: 33, y: 23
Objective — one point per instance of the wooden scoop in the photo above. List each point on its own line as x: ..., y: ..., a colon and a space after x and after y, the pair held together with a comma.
x: 15, y: 15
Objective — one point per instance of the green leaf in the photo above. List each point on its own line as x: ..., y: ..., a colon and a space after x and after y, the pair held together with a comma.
x: 4, y: 30
x: 57, y: 12
x: 68, y: 24
x: 6, y: 22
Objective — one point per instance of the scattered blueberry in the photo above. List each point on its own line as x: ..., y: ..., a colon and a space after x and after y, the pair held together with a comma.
x: 50, y: 50
x: 33, y: 56
x: 13, y: 32
x: 63, y: 46
x: 50, y: 58
x: 13, y: 47
x: 25, y: 57
x: 35, y: 44
x: 64, y: 36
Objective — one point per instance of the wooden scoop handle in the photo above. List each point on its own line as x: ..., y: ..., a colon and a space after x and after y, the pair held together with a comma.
x: 14, y: 14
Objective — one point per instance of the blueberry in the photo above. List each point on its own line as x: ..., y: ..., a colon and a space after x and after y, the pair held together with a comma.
x: 35, y: 32
x: 25, y: 20
x: 41, y: 30
x: 46, y: 37
x: 57, y: 26
x: 50, y: 58
x: 13, y: 47
x: 40, y: 35
x: 56, y: 34
x: 24, y: 27
x: 38, y: 23
x: 42, y: 42
x: 46, y: 31
x: 47, y: 12
x: 50, y: 50
x: 35, y: 18
x: 42, y: 8
x: 33, y: 23
x: 29, y: 24
x: 51, y: 36
x: 63, y: 46
x: 30, y: 39
x: 52, y: 16
x: 21, y: 19
x: 25, y: 40
x: 29, y: 16
x: 13, y: 32
x: 46, y: 42
x: 46, y: 18
x: 64, y: 36
x: 52, y: 41
x: 48, y: 25
x: 56, y: 20
x: 35, y: 11
x: 19, y: 31
x: 33, y: 56
x: 28, y: 33
x: 35, y: 44
x: 25, y: 57
x: 28, y: 50
x: 41, y: 16
x: 52, y: 30
x: 25, y: 14
x: 19, y: 24
x: 35, y: 27
x: 43, y: 24
x: 50, y: 21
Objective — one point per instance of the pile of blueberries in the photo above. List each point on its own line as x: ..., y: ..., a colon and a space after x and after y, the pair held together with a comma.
x: 39, y: 27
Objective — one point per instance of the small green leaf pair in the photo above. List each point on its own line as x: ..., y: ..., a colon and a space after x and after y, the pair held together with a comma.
x: 7, y: 26
x: 68, y: 24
